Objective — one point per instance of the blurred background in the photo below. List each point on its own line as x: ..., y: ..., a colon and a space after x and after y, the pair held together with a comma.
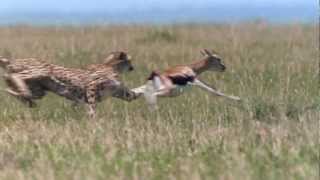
x: 80, y: 12
x: 270, y: 48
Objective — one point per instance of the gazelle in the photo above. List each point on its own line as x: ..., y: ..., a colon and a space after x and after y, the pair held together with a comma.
x: 173, y: 81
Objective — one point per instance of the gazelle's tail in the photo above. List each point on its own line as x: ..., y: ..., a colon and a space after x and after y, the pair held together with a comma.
x: 153, y: 74
x: 4, y: 62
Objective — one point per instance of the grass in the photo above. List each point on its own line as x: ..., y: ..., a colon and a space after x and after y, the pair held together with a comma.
x: 272, y: 134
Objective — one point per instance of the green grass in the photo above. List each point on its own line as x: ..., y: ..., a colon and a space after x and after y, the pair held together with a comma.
x: 272, y: 134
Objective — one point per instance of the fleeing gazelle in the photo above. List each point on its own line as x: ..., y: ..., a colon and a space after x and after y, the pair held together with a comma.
x: 173, y: 81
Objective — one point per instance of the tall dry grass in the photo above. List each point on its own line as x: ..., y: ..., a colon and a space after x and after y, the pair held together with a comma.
x: 272, y: 134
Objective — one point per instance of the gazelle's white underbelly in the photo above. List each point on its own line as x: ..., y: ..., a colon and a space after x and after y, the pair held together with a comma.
x: 178, y: 90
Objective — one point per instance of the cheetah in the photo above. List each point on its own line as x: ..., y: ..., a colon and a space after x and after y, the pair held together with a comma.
x: 30, y: 79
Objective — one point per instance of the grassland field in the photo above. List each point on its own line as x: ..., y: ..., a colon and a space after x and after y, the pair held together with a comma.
x: 272, y: 134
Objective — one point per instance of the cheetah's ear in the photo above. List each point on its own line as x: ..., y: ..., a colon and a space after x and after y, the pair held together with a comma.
x: 122, y: 55
x: 109, y: 57
x: 205, y: 52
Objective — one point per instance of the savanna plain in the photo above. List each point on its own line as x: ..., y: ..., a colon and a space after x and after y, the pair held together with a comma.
x: 273, y: 133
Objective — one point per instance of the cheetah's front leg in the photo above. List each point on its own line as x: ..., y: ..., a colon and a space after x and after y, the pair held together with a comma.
x: 124, y: 93
x: 92, y: 111
x: 17, y: 95
x: 91, y: 102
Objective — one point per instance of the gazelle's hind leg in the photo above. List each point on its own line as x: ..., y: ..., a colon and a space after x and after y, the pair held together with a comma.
x: 204, y: 86
x: 151, y: 90
x: 150, y: 94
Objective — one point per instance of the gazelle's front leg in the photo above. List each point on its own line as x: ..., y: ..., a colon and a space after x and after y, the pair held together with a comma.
x: 202, y: 85
x: 153, y: 86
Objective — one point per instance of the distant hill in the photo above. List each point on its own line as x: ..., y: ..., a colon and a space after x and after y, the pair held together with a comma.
x: 183, y: 14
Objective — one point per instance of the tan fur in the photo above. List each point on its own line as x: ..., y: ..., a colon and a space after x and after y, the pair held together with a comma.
x: 208, y: 62
x: 179, y: 71
x: 172, y: 81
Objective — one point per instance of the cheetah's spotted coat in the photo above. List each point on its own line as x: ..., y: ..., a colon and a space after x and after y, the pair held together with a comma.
x: 29, y: 79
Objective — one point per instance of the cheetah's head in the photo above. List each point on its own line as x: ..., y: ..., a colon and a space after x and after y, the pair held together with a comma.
x: 120, y: 61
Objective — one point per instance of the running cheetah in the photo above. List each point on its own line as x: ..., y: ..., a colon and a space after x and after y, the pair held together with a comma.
x: 30, y: 79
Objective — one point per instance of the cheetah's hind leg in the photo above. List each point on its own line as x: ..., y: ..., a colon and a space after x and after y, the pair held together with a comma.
x: 13, y: 91
x: 30, y: 103
x: 18, y: 82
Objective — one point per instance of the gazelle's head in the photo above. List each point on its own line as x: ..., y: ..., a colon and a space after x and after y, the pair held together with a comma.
x: 213, y: 61
x: 120, y: 61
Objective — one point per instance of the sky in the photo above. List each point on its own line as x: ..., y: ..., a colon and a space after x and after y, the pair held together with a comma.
x: 119, y: 5
x: 154, y: 11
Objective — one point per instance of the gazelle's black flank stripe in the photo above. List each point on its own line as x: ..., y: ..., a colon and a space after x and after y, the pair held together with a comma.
x: 181, y: 80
